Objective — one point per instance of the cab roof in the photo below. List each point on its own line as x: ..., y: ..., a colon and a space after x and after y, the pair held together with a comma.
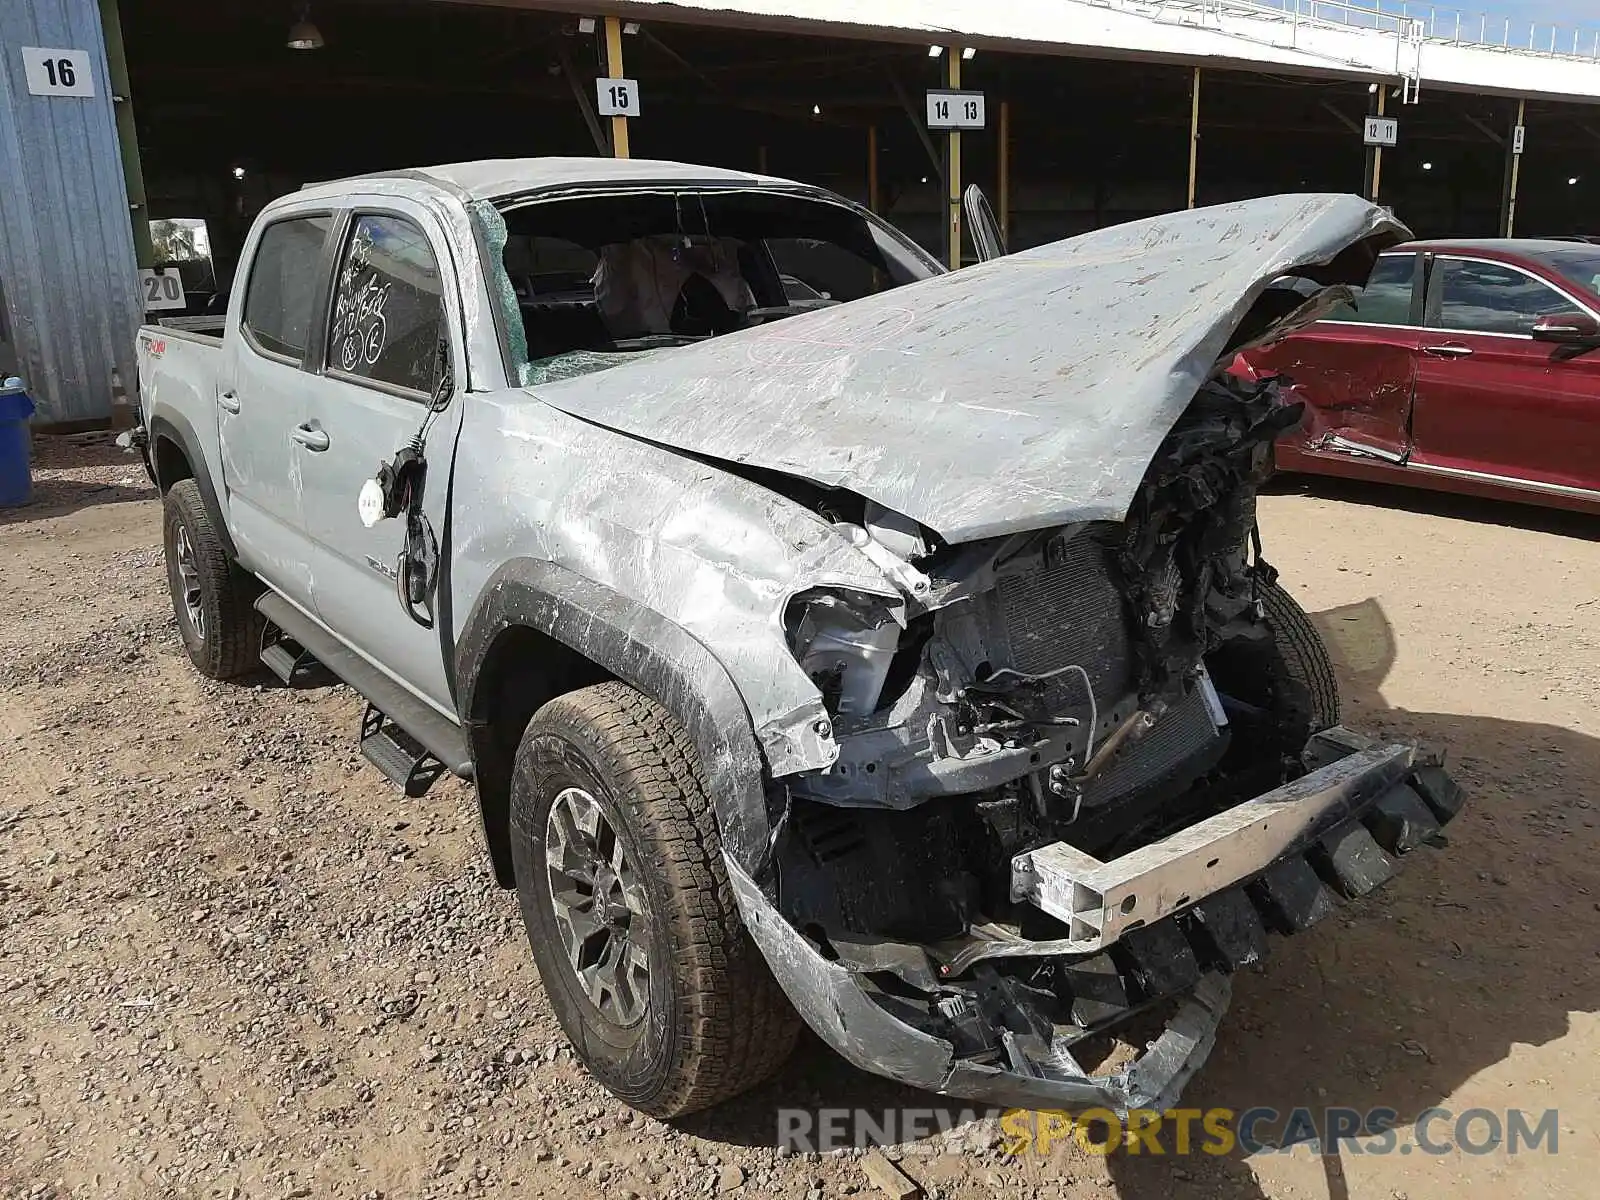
x: 501, y: 178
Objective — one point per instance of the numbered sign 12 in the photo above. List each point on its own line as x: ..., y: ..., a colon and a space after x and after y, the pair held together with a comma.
x: 949, y: 109
x: 617, y: 97
x: 162, y: 291
x: 57, y: 72
x: 1381, y: 131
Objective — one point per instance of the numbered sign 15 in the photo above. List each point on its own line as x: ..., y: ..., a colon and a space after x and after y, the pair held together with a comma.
x: 162, y: 291
x: 949, y: 109
x: 1381, y: 131
x: 57, y: 72
x: 617, y: 97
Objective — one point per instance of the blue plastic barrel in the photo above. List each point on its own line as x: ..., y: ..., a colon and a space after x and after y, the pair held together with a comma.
x: 16, y: 476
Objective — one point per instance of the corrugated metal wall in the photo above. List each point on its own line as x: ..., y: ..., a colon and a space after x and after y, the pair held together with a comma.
x: 67, y: 269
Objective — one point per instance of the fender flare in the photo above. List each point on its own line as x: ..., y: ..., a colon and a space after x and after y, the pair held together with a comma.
x: 642, y: 649
x: 175, y: 427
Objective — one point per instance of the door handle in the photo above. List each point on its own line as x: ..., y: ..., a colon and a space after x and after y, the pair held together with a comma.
x: 1449, y: 350
x: 309, y: 436
x: 228, y: 401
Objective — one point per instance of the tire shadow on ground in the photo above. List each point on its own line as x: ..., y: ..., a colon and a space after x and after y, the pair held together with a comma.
x: 1392, y: 1003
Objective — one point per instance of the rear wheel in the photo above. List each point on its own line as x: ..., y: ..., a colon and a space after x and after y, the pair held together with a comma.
x: 626, y: 900
x: 212, y: 599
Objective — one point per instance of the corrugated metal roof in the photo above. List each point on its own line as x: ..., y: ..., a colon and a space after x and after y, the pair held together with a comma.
x: 66, y: 244
x: 1233, y: 33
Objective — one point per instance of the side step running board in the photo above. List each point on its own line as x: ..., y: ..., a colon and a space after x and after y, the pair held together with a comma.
x: 405, y: 735
x: 290, y: 661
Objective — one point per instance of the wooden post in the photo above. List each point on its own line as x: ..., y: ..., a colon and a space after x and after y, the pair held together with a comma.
x: 1005, y: 172
x: 1377, y: 151
x: 1516, y: 170
x: 1194, y: 135
x: 872, y: 168
x: 952, y: 172
x: 614, y: 69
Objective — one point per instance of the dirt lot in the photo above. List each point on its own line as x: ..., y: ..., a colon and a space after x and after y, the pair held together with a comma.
x: 236, y: 963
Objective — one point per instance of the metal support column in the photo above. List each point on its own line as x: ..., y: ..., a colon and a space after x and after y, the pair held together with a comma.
x: 952, y: 169
x: 1194, y: 135
x: 872, y: 168
x: 1005, y: 171
x: 127, y: 135
x: 1377, y: 151
x: 1514, y: 150
x: 619, y: 125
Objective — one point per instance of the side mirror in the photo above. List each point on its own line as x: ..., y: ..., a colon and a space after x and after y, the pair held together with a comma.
x: 1566, y: 327
x: 985, y: 230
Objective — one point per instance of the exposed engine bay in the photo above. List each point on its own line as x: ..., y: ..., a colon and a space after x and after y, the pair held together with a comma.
x: 1082, y: 691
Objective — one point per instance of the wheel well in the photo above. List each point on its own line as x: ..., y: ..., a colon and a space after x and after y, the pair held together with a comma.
x: 523, y: 669
x: 171, y: 463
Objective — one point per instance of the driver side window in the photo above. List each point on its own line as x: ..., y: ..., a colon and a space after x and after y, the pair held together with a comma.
x: 388, y: 318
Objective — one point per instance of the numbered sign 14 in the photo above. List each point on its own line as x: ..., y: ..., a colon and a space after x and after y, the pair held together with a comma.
x: 57, y: 72
x: 948, y: 109
x: 617, y: 97
x: 162, y: 291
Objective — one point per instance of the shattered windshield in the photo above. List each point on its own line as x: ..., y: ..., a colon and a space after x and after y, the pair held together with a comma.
x: 601, y: 277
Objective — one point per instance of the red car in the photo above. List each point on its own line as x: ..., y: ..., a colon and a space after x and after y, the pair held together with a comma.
x: 1466, y: 366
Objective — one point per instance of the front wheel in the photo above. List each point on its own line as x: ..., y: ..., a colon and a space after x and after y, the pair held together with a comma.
x: 1303, y: 665
x: 626, y: 901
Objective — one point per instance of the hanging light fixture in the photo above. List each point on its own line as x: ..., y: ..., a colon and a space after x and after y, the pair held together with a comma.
x: 304, y: 34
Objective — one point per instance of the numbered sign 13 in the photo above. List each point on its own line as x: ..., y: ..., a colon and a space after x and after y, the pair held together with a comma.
x: 57, y: 72
x: 617, y: 97
x: 162, y: 291
x: 949, y: 109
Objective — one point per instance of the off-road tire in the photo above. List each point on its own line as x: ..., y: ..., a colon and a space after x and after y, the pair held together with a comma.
x: 230, y: 643
x: 1302, y: 657
x: 715, y: 1022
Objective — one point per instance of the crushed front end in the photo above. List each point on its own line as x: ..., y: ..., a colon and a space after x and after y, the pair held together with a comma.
x: 1082, y: 774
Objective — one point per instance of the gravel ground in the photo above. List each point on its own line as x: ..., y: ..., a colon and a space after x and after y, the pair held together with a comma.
x: 237, y: 963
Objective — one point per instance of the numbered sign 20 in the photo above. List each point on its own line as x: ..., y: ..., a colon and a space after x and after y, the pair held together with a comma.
x: 162, y: 291
x: 57, y: 72
x: 949, y: 109
x: 617, y: 97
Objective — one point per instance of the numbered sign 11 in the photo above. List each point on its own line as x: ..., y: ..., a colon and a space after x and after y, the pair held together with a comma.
x: 617, y: 97
x: 162, y: 291
x: 1381, y: 131
x: 949, y: 109
x: 57, y: 72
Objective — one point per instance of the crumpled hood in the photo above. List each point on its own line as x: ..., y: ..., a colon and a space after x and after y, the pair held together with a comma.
x: 1023, y: 393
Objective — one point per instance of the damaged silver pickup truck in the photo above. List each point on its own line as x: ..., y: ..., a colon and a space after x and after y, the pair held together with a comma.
x: 828, y: 636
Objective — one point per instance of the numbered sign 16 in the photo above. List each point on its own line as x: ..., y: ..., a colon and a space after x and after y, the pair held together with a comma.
x: 162, y: 291
x: 57, y: 72
x: 949, y: 109
x: 617, y: 97
x: 1381, y: 131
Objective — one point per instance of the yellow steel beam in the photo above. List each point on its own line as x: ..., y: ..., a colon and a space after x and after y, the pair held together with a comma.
x: 1377, y: 151
x: 1005, y: 172
x: 1516, y: 172
x: 952, y: 58
x: 1194, y: 136
x: 619, y: 125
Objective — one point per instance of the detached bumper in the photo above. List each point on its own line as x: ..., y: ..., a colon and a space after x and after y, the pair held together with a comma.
x: 1204, y: 900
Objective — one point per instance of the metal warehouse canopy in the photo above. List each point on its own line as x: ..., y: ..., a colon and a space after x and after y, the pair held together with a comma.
x: 1449, y: 50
